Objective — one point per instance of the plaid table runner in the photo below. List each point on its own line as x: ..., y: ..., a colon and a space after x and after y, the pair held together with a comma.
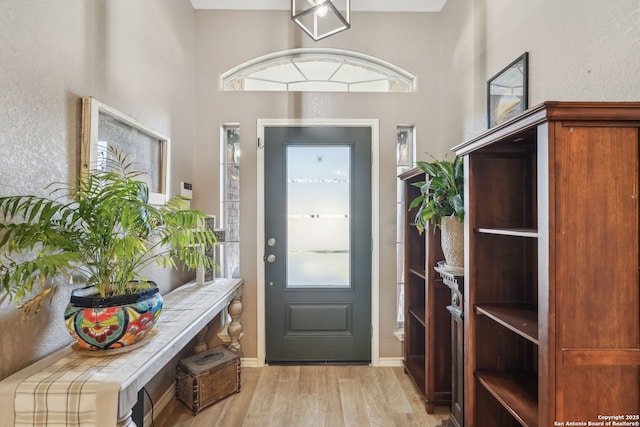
x: 69, y: 389
x: 74, y: 391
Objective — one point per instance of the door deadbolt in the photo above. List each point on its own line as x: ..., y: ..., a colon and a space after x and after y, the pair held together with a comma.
x: 271, y: 242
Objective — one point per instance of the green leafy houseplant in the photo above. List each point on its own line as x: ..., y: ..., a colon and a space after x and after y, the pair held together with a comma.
x: 102, y: 230
x: 442, y: 194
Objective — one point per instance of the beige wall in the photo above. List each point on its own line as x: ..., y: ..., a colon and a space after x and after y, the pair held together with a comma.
x: 579, y: 50
x: 138, y: 57
x: 159, y: 61
x: 227, y: 39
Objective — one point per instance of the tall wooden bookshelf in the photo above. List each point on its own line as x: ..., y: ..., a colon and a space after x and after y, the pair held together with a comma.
x: 552, y: 296
x: 427, y: 323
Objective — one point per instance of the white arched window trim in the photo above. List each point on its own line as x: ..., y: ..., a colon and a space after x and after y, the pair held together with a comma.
x: 318, y: 70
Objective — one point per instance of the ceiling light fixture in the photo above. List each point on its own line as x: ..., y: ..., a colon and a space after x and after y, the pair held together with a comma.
x: 321, y: 18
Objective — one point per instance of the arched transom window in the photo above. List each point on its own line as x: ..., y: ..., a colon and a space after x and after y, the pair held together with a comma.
x: 318, y: 70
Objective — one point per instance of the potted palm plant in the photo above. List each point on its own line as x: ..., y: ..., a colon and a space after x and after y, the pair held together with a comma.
x: 101, y: 231
x: 441, y: 201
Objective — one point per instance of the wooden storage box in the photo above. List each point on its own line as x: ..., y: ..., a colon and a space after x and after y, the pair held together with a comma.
x: 207, y: 377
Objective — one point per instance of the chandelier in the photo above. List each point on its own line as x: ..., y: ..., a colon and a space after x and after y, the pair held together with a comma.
x: 321, y: 18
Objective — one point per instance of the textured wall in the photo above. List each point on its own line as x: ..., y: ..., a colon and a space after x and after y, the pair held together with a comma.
x: 408, y: 40
x: 135, y: 56
x: 579, y: 50
x: 140, y: 57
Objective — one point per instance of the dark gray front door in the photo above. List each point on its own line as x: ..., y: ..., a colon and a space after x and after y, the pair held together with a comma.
x: 318, y: 244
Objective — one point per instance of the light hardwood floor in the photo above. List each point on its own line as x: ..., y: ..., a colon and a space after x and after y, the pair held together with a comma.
x: 306, y: 396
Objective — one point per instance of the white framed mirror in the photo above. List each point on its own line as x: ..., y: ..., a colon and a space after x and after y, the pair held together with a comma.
x: 104, y: 126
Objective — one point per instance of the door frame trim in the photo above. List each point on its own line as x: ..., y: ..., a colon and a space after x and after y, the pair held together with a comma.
x: 374, y: 124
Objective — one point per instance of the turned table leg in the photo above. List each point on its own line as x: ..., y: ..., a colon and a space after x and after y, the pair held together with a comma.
x: 235, y: 328
x: 201, y: 344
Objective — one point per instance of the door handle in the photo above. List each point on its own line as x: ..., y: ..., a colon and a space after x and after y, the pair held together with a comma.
x: 271, y: 258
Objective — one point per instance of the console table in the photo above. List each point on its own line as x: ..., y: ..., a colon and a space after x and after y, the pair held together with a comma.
x: 72, y: 388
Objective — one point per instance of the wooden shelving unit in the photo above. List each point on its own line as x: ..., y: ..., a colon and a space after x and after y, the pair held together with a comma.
x: 517, y: 392
x: 519, y: 318
x: 418, y: 314
x: 523, y: 232
x: 546, y: 259
x: 427, y: 323
x: 418, y: 273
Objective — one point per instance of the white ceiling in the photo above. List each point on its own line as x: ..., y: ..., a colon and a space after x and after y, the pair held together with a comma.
x: 359, y: 5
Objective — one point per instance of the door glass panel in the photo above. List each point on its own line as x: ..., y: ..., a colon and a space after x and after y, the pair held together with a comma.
x: 318, y: 216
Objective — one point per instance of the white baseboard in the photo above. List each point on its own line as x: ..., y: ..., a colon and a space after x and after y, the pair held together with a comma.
x: 158, y: 406
x: 391, y: 361
x: 249, y: 362
x: 383, y: 361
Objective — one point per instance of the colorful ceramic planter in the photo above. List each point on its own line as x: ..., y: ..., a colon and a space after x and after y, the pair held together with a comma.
x: 112, y: 322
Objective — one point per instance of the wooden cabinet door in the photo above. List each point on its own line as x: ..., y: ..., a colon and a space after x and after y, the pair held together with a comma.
x: 597, y: 301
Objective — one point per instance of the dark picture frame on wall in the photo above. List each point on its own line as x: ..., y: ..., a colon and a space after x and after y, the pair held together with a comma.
x: 507, y: 91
